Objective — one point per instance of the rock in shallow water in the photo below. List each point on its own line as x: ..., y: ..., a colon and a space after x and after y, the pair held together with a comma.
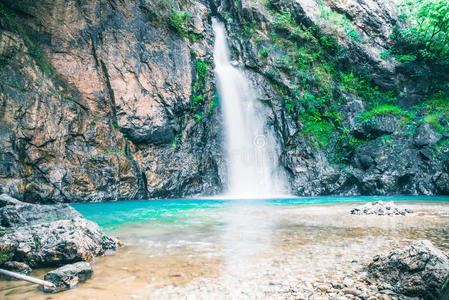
x: 43, y: 235
x: 68, y: 276
x: 57, y: 243
x: 15, y: 266
x: 381, y: 208
x: 418, y: 270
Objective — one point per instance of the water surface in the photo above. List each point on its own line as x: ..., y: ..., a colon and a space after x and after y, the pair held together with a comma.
x: 219, y: 249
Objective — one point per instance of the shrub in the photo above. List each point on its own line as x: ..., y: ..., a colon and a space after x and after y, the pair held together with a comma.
x: 179, y: 22
x: 427, y: 28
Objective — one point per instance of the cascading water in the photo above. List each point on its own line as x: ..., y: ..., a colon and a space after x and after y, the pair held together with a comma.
x: 253, y: 171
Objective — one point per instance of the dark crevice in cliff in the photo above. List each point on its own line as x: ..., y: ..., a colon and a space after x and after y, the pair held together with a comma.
x: 142, y: 191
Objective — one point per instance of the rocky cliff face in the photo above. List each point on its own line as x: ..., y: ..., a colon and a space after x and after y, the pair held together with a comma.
x: 106, y: 100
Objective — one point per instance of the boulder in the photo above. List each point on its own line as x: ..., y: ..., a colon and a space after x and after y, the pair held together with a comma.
x: 48, y: 235
x: 5, y: 200
x: 418, y: 271
x: 15, y: 266
x: 57, y: 243
x: 375, y: 127
x: 426, y: 135
x: 381, y: 208
x: 24, y: 213
x: 68, y: 276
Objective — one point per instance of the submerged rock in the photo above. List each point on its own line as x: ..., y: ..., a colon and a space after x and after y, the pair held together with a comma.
x: 381, y: 208
x: 68, y: 276
x: 418, y: 270
x: 42, y: 235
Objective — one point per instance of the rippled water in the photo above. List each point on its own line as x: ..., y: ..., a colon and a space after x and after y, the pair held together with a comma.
x: 218, y: 249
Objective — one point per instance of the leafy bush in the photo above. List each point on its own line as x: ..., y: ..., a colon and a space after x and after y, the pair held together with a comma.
x: 427, y: 28
x: 284, y: 20
x: 359, y: 85
x: 318, y: 132
x: 179, y: 22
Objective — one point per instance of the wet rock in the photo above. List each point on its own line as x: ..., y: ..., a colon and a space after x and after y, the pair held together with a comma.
x: 5, y: 200
x: 122, y: 100
x: 418, y: 270
x: 15, y: 266
x: 68, y: 276
x: 49, y: 235
x: 57, y: 243
x: 381, y: 208
x: 444, y: 294
x: 24, y: 213
x: 441, y: 181
x: 426, y: 135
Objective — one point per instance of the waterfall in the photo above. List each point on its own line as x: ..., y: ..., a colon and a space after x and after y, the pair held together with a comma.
x: 252, y: 161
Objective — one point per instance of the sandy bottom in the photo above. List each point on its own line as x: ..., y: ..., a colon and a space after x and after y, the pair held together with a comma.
x: 248, y: 252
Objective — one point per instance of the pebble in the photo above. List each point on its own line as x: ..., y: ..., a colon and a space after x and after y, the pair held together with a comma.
x: 352, y: 291
x: 348, y: 282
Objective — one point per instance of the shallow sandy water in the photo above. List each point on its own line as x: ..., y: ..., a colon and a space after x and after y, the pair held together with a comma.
x: 247, y: 252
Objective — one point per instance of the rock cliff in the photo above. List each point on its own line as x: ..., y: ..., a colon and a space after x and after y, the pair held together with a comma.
x: 106, y: 100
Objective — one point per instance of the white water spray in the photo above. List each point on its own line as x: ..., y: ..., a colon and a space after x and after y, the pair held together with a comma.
x: 252, y: 162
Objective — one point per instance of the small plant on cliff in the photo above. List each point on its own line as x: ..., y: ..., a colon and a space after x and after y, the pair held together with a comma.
x: 179, y: 22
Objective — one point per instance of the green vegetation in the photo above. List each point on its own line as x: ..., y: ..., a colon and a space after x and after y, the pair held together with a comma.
x: 18, y: 86
x: 384, y: 110
x: 179, y: 22
x: 199, y: 85
x: 340, y: 21
x: 436, y: 109
x: 426, y: 35
x: 247, y: 30
x: 6, y: 253
x: 360, y: 85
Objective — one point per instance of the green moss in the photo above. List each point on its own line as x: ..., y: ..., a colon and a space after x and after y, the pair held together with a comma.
x: 359, y: 85
x: 285, y: 19
x: 6, y: 253
x: 18, y: 86
x: 247, y: 30
x: 434, y: 120
x: 383, y: 110
x: 264, y: 53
